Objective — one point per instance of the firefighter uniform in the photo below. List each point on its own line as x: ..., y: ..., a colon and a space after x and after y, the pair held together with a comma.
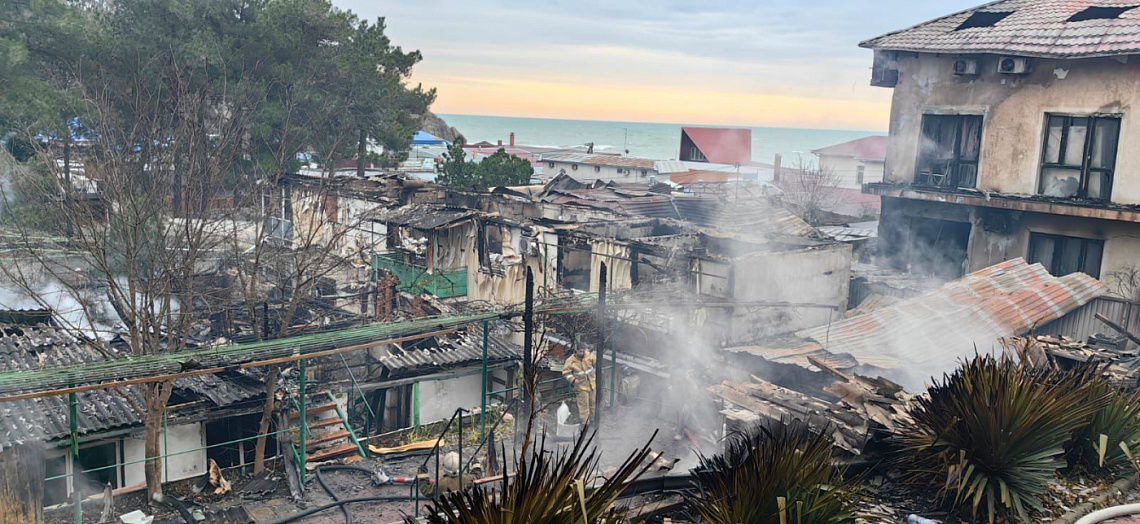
x: 580, y: 372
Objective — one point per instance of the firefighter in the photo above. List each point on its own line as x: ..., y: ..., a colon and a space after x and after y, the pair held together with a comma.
x: 579, y: 371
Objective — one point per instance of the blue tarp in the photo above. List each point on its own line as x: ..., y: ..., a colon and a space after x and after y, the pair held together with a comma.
x: 423, y: 138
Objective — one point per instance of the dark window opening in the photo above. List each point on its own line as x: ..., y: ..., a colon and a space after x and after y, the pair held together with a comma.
x: 490, y: 247
x: 233, y: 428
x: 597, y: 169
x: 1100, y: 13
x: 1063, y: 255
x: 923, y: 246
x: 983, y: 19
x: 948, y: 154
x: 1079, y: 156
x: 102, y: 459
x: 574, y: 264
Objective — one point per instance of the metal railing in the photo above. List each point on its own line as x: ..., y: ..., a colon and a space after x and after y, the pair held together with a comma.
x: 443, y: 283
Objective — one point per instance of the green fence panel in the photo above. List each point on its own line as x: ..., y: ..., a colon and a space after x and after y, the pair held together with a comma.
x: 415, y: 279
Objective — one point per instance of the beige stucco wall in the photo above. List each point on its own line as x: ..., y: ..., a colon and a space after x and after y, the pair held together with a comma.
x: 846, y: 170
x: 1014, y: 109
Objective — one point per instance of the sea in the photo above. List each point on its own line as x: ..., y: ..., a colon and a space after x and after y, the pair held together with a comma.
x: 647, y: 140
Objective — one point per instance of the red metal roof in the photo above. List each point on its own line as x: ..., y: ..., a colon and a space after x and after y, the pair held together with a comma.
x: 866, y: 148
x: 932, y: 332
x: 693, y: 176
x: 1034, y: 28
x: 722, y: 145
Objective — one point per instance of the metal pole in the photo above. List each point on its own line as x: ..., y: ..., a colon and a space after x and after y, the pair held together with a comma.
x: 304, y: 423
x: 528, y: 343
x: 416, y: 405
x: 613, y: 376
x: 483, y: 403
x: 600, y: 350
x: 460, y: 488
x: 73, y: 421
x: 165, y: 447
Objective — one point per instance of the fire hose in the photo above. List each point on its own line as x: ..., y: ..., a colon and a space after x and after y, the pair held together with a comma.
x: 377, y: 478
x: 1110, y: 513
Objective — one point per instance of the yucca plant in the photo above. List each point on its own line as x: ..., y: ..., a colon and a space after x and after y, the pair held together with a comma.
x: 993, y: 434
x: 547, y: 488
x: 780, y: 472
x: 1105, y: 443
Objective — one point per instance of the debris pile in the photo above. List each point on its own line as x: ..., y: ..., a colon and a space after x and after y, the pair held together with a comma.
x: 850, y: 409
x: 1121, y: 364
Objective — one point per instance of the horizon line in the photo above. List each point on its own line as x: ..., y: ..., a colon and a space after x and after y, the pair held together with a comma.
x: 884, y: 132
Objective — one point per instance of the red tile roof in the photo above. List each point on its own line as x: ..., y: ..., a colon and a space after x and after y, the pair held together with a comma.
x: 1033, y: 28
x: 866, y: 148
x: 930, y: 333
x: 722, y: 145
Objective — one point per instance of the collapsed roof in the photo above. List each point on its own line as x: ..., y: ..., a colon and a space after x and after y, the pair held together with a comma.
x: 963, y: 316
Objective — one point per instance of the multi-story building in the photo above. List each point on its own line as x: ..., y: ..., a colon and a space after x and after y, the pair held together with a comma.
x: 1012, y: 134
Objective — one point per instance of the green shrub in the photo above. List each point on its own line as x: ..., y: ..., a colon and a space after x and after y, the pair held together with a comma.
x: 1099, y: 446
x: 779, y: 468
x: 994, y: 433
x: 548, y: 488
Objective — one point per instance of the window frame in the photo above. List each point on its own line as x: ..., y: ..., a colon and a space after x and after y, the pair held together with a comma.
x: 950, y: 180
x: 860, y: 172
x: 1085, y: 168
x: 1036, y: 237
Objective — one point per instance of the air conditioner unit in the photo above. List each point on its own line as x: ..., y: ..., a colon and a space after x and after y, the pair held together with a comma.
x: 1008, y: 65
x: 966, y: 67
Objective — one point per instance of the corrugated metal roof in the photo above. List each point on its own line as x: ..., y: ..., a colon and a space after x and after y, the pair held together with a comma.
x: 1034, y: 28
x: 591, y: 159
x: 422, y: 216
x: 935, y: 330
x: 462, y: 349
x: 26, y: 348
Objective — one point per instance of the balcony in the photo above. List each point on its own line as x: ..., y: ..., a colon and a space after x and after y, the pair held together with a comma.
x: 1077, y: 207
x: 415, y: 279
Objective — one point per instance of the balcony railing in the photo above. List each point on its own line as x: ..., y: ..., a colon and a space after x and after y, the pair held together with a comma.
x: 415, y: 279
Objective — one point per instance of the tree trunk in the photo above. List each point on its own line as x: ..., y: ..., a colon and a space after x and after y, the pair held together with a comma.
x: 153, y: 452
x: 361, y: 152
x: 266, y: 418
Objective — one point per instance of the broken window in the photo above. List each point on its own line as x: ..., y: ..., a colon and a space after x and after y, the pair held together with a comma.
x: 1063, y: 255
x: 55, y: 491
x: 490, y: 246
x: 1079, y: 156
x: 948, y: 154
x: 1100, y: 13
x: 98, y: 464
x: 278, y: 205
x: 983, y: 19
x: 574, y: 263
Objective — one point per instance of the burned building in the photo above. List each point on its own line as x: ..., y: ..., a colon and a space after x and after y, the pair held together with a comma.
x: 1006, y: 144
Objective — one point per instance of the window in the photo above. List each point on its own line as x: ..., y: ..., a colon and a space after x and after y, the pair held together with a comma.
x: 619, y: 171
x: 574, y: 167
x: 550, y: 165
x: 859, y: 171
x: 696, y: 155
x: 1079, y: 156
x: 1063, y: 255
x: 644, y: 172
x: 597, y: 169
x: 948, y: 154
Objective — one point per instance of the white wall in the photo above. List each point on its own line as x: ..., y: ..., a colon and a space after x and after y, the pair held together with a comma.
x: 440, y: 398
x: 177, y: 467
x: 846, y: 170
x: 587, y: 173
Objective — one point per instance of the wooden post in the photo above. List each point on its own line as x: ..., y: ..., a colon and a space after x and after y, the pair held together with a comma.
x: 22, y: 474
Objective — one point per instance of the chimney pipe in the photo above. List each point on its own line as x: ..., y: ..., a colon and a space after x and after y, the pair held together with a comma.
x: 512, y: 139
x: 776, y: 168
x: 500, y: 143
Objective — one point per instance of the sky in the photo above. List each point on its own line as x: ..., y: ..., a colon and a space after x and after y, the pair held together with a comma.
x: 726, y: 62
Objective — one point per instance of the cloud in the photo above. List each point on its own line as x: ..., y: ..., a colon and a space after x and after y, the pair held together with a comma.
x: 774, y: 49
